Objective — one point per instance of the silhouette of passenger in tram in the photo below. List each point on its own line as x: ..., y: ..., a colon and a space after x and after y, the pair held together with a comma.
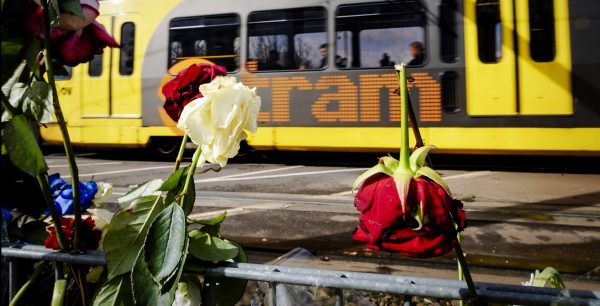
x: 385, y: 60
x: 323, y: 51
x: 272, y: 61
x: 418, y: 53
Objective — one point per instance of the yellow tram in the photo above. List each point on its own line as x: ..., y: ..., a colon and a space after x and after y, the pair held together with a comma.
x: 493, y: 76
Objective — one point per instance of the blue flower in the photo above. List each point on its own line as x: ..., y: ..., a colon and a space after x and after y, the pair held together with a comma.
x: 62, y: 193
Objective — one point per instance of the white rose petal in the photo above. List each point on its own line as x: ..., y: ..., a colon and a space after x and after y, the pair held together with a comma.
x: 217, y: 121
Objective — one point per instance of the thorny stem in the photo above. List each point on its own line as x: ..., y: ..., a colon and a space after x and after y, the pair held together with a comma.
x: 63, y: 129
x: 181, y: 151
x: 190, y: 174
x: 36, y: 273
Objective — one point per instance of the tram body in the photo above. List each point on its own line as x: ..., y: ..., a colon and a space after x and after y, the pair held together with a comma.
x: 498, y: 76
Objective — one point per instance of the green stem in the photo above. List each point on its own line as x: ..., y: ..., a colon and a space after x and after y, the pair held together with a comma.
x: 36, y: 273
x: 404, y: 153
x: 60, y: 235
x: 63, y: 128
x: 181, y: 150
x: 462, y: 262
x: 58, y: 296
x: 190, y: 174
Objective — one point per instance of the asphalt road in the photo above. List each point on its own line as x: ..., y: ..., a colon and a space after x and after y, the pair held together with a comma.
x: 518, y: 220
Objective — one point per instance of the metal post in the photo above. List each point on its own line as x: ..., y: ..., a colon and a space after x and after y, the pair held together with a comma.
x: 12, y: 278
x: 407, y: 300
x: 339, y: 297
x: 271, y: 295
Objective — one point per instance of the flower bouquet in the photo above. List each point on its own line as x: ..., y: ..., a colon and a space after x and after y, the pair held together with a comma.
x: 154, y: 253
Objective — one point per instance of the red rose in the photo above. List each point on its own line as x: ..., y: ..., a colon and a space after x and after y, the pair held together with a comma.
x: 76, y: 40
x: 185, y: 88
x: 90, y: 237
x: 383, y: 225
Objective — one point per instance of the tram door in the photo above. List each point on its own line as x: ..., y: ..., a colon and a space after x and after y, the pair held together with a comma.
x: 111, y: 83
x: 518, y: 59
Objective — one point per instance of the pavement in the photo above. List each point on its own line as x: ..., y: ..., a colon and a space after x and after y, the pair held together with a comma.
x: 516, y: 221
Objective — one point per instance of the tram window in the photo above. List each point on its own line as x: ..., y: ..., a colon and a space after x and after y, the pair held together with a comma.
x: 214, y: 38
x: 380, y: 34
x: 450, y: 92
x: 288, y: 39
x: 127, y: 48
x: 63, y: 74
x: 542, y: 46
x: 489, y: 30
x: 95, y: 66
x: 448, y: 32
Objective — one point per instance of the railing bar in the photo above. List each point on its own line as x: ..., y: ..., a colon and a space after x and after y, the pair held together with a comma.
x: 414, y: 280
x: 416, y: 290
x: 417, y: 286
x: 407, y: 300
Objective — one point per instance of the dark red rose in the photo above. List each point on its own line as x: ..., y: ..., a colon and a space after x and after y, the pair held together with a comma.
x: 90, y: 237
x: 383, y: 226
x: 185, y: 88
x: 76, y: 40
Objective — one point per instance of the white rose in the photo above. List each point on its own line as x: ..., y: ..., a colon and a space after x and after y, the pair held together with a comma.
x: 217, y: 122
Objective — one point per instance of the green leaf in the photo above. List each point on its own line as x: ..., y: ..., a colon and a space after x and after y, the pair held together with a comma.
x: 173, y: 181
x: 212, y: 230
x: 54, y: 10
x: 146, y: 290
x: 116, y: 291
x: 214, y: 221
x: 418, y: 157
x: 165, y: 242
x: 72, y: 7
x: 33, y: 232
x: 379, y: 168
x: 209, y: 248
x: 127, y: 233
x: 549, y: 274
x: 22, y: 146
x: 37, y: 102
x: 231, y: 290
x: 6, y: 87
x: 14, y: 99
x: 402, y: 181
x: 434, y: 176
x: 145, y: 189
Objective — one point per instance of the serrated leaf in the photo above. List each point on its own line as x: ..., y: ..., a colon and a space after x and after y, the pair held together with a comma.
x: 127, y: 232
x: 173, y: 181
x: 418, y: 157
x: 402, y: 182
x: 164, y: 243
x: 210, y: 248
x: 116, y: 292
x: 37, y: 102
x: 379, y: 168
x: 434, y: 176
x: 6, y: 87
x: 23, y: 149
x: 145, y: 189
x: 14, y: 99
x: 214, y: 221
x: 146, y: 290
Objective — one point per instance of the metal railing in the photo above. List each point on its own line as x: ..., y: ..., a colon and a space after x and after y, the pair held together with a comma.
x: 340, y: 280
